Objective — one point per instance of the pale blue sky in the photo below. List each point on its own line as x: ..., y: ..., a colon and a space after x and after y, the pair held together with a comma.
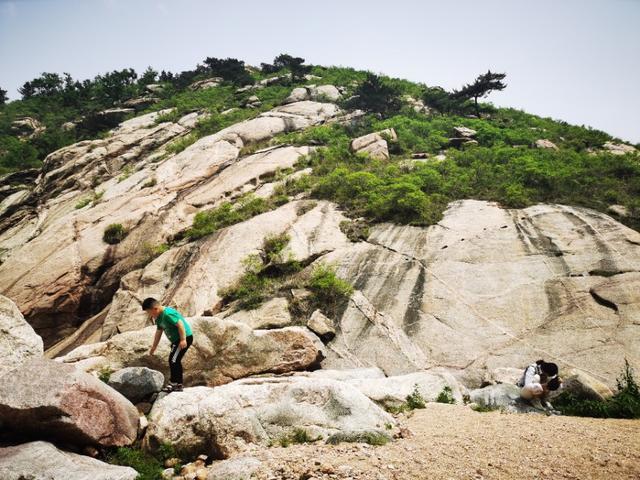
x: 576, y: 60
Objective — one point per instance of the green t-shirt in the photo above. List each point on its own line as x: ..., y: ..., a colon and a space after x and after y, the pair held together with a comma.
x: 168, y: 321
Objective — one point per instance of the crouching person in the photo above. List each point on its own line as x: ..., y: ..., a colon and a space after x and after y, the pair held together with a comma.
x: 538, y: 380
x: 178, y: 331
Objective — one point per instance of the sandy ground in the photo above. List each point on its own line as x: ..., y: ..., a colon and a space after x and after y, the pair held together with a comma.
x: 454, y: 442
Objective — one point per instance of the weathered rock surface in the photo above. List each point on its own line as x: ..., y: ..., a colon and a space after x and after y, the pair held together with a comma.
x: 619, y: 148
x: 56, y: 266
x: 618, y: 210
x: 220, y: 421
x: 18, y: 341
x: 464, y: 132
x: 489, y: 287
x: 327, y: 93
x: 27, y: 127
x: 321, y: 325
x: 393, y: 391
x: 43, y: 461
x: 222, y: 351
x: 504, y: 396
x: 206, y: 83
x: 240, y: 468
x: 49, y: 400
x: 374, y: 144
x: 584, y: 386
x: 548, y: 144
x: 272, y: 314
x: 136, y: 383
x: 196, y: 290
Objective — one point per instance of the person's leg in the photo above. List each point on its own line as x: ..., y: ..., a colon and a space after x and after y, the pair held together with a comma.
x: 175, y: 361
x: 174, y: 367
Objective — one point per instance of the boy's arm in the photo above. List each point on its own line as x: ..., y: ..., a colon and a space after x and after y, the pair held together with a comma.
x: 183, y: 334
x: 156, y: 340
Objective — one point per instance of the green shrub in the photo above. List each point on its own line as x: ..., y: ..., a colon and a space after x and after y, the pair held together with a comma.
x: 327, y: 286
x: 625, y: 403
x: 227, y: 214
x: 114, y: 234
x: 180, y: 144
x: 415, y: 400
x: 356, y: 231
x: 446, y: 395
x: 476, y: 407
x: 104, y: 374
x: 252, y: 288
x: 147, y: 466
x: 83, y: 203
x: 273, y: 246
x: 372, y: 437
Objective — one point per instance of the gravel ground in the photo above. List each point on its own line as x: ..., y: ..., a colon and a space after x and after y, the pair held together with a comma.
x: 454, y: 442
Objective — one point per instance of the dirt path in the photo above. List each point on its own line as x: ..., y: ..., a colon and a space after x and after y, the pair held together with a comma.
x: 454, y: 442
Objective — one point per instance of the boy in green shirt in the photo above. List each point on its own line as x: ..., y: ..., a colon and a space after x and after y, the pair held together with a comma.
x: 177, y: 330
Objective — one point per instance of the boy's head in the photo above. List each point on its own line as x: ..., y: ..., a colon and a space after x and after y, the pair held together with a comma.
x: 152, y: 307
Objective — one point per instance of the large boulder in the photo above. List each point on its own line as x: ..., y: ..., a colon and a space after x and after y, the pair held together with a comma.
x: 49, y: 400
x: 619, y: 148
x: 584, y: 386
x: 43, y: 461
x: 239, y: 468
x: 222, y: 351
x: 545, y: 144
x: 374, y: 144
x: 312, y: 92
x: 136, y: 383
x: 18, y: 341
x: 393, y: 391
x: 504, y: 396
x: 221, y: 421
x: 27, y: 127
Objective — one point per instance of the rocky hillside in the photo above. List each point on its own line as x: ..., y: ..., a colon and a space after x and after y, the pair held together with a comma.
x: 388, y: 250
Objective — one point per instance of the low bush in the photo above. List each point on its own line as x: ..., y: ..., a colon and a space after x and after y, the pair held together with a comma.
x: 114, y: 234
x: 446, y: 396
x: 228, y: 213
x: 413, y: 401
x: 372, y: 437
x: 625, y: 403
x: 148, y: 466
x: 327, y: 286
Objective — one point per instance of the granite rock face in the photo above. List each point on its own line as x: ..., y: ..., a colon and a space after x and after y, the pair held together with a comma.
x: 18, y: 341
x: 50, y: 400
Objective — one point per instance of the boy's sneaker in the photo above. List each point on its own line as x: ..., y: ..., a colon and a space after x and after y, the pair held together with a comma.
x: 172, y: 387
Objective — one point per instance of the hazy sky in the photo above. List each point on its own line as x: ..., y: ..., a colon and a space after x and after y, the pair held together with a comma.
x: 576, y: 60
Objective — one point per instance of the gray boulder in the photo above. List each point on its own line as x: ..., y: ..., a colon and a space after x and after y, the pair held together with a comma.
x: 136, y: 383
x: 221, y: 421
x: 503, y: 396
x: 240, y: 468
x: 321, y: 325
x: 43, y: 461
x: 50, y: 400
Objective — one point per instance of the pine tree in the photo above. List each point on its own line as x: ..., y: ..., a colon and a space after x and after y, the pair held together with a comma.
x: 481, y: 87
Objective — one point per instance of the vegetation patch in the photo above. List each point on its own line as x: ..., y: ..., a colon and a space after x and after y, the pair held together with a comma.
x: 413, y: 401
x: 149, y: 466
x: 104, y: 374
x: 372, y: 437
x: 625, y: 403
x: 298, y: 436
x: 446, y: 395
x: 114, y: 234
x: 230, y: 213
